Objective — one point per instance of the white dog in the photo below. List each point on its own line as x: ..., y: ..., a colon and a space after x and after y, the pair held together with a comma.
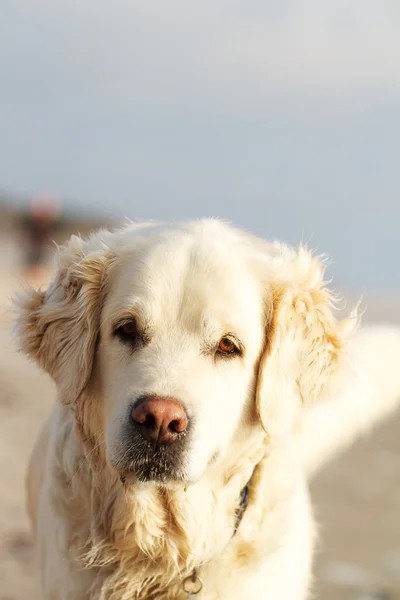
x: 202, y: 378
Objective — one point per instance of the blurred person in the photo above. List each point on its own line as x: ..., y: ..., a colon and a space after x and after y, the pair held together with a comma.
x: 39, y: 226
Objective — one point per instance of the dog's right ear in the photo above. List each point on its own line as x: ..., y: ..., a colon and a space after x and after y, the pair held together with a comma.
x: 59, y: 327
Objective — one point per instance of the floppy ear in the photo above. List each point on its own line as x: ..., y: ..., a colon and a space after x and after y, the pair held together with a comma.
x: 59, y: 327
x: 305, y: 345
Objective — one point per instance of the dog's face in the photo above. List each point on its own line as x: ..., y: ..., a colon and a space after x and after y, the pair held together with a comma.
x: 182, y: 328
x: 171, y: 342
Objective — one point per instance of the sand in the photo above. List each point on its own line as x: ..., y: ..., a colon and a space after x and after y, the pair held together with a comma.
x: 356, y: 498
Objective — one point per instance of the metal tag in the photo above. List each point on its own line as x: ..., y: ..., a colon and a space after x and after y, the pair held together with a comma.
x: 192, y: 585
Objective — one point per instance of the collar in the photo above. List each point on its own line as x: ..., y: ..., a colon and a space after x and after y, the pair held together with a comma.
x: 243, y: 504
x: 193, y: 585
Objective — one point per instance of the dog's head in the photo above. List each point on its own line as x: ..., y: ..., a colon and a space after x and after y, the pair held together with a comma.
x: 173, y: 343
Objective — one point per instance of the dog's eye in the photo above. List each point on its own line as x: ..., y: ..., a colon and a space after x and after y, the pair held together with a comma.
x: 227, y: 346
x: 128, y: 331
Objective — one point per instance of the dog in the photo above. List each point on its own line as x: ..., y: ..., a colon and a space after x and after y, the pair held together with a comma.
x: 202, y: 379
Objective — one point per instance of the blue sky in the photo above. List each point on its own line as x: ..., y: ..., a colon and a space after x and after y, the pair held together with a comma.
x: 281, y: 116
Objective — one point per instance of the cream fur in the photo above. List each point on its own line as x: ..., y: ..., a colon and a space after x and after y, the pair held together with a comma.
x: 304, y: 387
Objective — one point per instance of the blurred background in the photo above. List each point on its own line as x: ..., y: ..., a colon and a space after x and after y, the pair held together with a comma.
x: 283, y: 117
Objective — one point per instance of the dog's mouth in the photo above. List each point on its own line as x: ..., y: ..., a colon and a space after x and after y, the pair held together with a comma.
x: 143, y: 461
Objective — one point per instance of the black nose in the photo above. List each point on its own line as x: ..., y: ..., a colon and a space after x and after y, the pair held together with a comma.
x: 160, y: 419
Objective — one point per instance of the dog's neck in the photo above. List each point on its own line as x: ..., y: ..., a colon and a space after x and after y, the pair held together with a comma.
x: 151, y: 537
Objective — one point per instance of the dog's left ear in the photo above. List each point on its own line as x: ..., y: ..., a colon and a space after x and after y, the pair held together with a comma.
x: 305, y: 346
x: 59, y: 328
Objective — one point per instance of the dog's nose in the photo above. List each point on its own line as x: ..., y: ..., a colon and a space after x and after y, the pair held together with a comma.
x: 160, y: 419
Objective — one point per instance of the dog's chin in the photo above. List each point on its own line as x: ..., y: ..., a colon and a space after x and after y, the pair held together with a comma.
x: 160, y: 474
x: 148, y: 465
x: 167, y: 466
x: 168, y: 476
